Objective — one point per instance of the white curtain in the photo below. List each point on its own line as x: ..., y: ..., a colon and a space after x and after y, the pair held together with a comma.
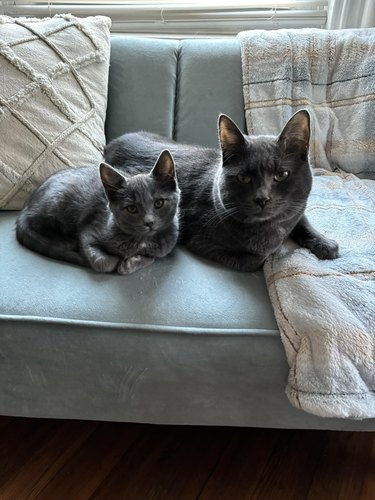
x: 351, y: 14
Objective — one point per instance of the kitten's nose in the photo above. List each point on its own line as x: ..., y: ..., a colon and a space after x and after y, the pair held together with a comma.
x: 149, y: 224
x: 262, y: 202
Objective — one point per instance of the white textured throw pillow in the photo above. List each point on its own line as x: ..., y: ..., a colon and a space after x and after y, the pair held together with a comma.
x: 53, y: 99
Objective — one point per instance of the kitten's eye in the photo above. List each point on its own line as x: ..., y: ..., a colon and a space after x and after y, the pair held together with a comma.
x: 159, y: 203
x: 281, y: 176
x: 244, y: 179
x: 132, y: 209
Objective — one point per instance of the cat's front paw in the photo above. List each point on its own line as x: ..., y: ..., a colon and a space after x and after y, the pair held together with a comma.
x: 324, y: 248
x: 129, y: 266
x: 105, y: 264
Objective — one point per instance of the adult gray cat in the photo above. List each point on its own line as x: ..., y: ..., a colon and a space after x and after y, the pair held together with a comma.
x: 108, y: 221
x: 238, y: 203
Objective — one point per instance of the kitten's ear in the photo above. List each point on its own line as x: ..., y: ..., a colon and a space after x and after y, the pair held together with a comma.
x: 231, y: 137
x: 164, y: 169
x: 295, y: 136
x: 111, y: 179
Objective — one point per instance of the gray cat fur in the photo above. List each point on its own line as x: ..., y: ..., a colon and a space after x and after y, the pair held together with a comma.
x: 234, y: 223
x: 81, y: 216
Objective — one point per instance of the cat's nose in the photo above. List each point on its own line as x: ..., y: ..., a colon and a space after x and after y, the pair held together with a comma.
x: 262, y: 202
x: 149, y: 224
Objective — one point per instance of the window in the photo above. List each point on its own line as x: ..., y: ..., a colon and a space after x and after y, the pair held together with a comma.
x: 183, y: 18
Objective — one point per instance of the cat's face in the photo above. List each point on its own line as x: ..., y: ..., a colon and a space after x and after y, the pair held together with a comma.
x: 265, y: 177
x: 145, y: 203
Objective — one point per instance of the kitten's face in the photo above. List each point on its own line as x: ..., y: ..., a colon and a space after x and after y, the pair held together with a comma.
x: 265, y: 177
x: 145, y: 203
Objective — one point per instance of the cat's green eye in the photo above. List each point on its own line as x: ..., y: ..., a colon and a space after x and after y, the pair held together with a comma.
x: 281, y: 176
x: 132, y: 209
x: 244, y: 179
x: 159, y: 203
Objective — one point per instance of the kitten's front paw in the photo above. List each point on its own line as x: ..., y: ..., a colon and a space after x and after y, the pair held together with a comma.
x: 324, y: 248
x: 105, y: 264
x: 134, y: 263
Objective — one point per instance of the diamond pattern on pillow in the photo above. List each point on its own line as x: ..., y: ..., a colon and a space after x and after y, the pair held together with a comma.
x: 53, y: 99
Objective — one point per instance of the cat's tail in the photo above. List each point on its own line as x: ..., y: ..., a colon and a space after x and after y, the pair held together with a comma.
x: 47, y: 245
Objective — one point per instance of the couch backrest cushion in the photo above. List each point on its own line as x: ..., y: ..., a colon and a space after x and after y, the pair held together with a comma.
x: 174, y: 88
x: 142, y: 83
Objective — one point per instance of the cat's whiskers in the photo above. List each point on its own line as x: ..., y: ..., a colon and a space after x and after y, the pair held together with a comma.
x: 242, y: 206
x: 287, y: 205
x: 219, y: 217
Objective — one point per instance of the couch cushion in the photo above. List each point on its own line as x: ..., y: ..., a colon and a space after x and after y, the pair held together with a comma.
x: 53, y: 99
x: 176, y: 89
x: 142, y: 81
x: 209, y: 82
x: 181, y: 292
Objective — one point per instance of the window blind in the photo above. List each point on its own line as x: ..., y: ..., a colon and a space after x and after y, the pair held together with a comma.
x: 183, y: 18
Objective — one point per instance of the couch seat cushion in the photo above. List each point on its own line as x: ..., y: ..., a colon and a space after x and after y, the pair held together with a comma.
x: 181, y: 291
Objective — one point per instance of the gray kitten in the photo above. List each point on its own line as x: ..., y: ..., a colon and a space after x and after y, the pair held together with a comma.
x: 240, y: 202
x: 105, y: 220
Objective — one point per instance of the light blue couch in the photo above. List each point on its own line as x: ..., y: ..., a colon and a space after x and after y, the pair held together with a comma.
x: 185, y: 341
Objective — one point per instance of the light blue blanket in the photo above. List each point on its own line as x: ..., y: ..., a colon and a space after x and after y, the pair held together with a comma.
x: 325, y: 309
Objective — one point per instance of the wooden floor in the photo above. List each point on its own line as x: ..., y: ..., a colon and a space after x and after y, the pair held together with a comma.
x: 74, y: 460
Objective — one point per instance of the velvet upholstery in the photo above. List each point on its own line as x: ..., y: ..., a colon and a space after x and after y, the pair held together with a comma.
x: 185, y: 341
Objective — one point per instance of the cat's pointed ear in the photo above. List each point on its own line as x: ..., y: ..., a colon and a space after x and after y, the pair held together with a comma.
x: 231, y: 137
x: 111, y: 179
x: 164, y: 169
x: 295, y: 137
